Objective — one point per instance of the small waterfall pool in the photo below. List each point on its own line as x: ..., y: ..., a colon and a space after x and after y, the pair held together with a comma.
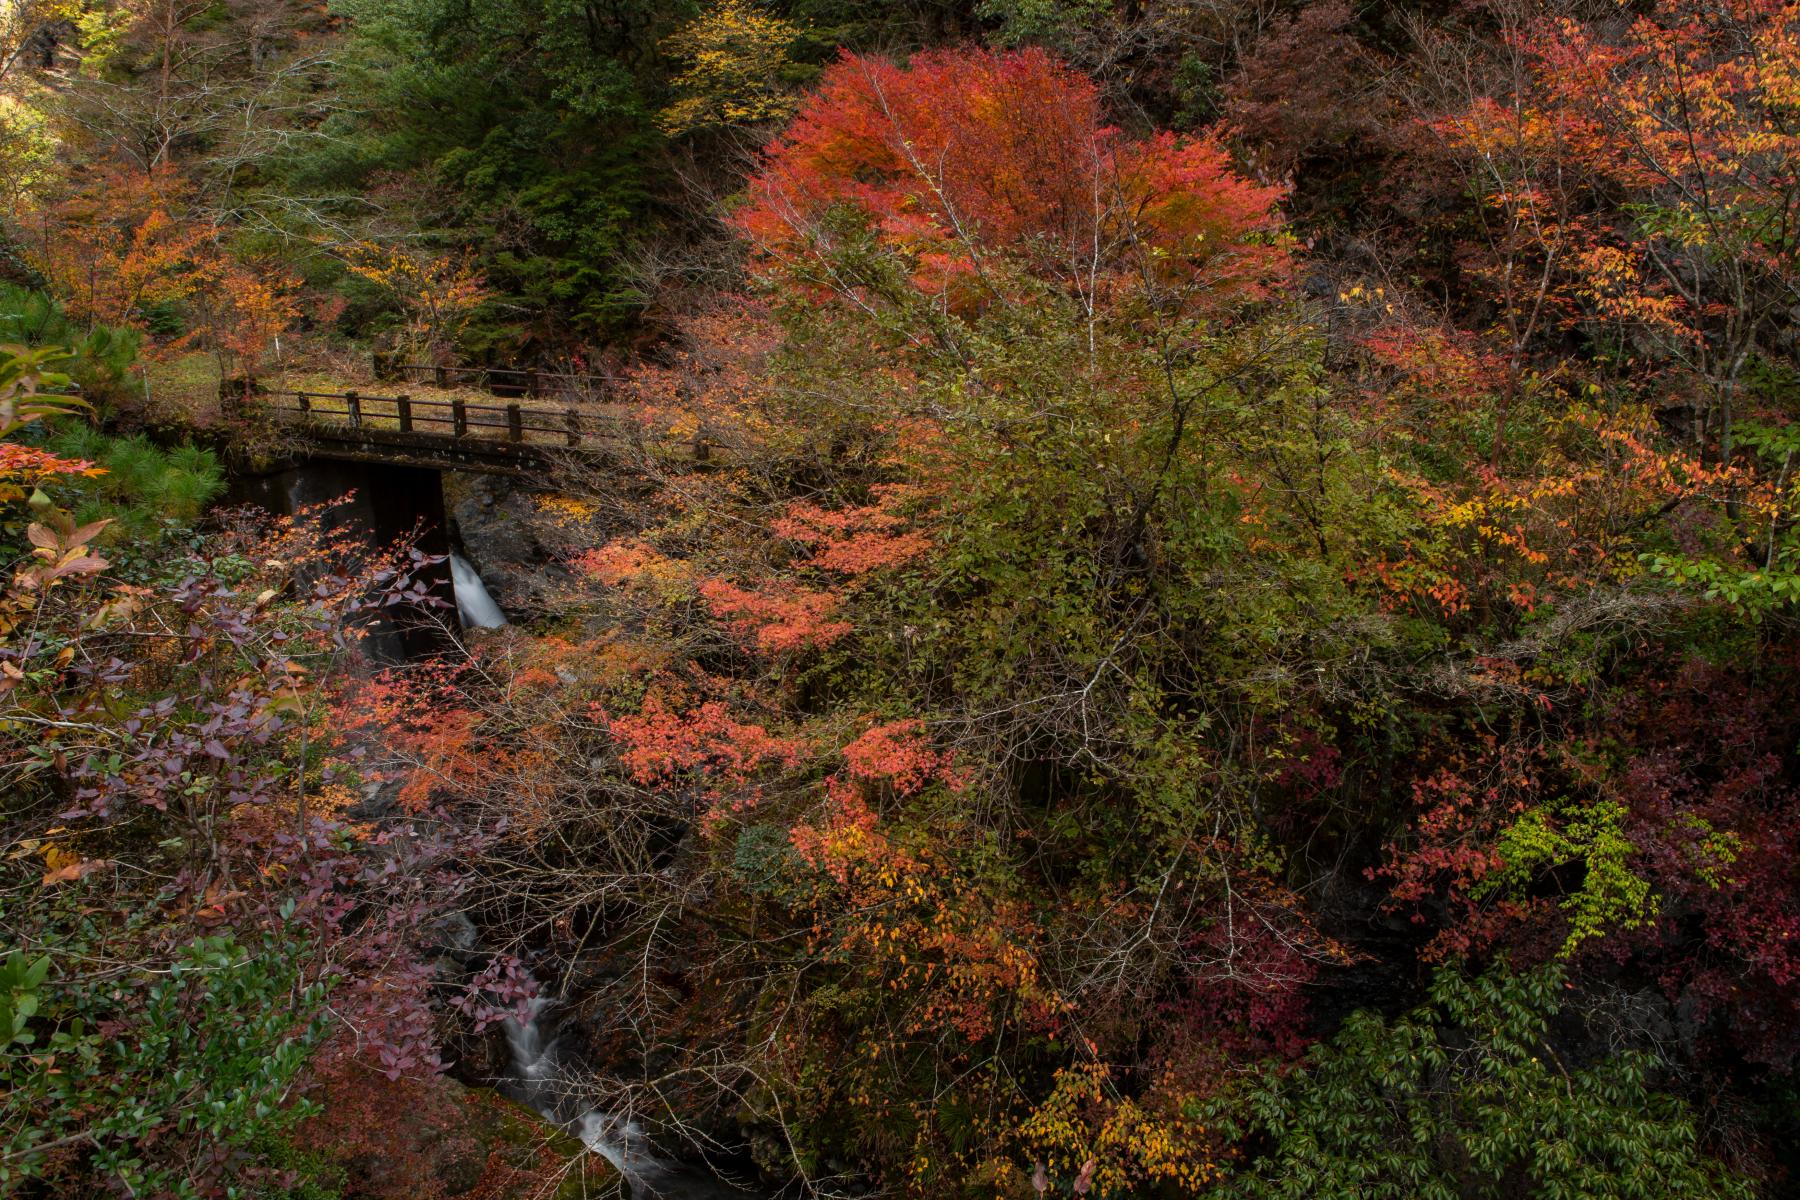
x: 473, y: 604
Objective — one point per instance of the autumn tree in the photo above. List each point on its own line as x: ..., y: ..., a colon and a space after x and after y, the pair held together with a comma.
x: 736, y: 56
x: 1678, y: 119
x: 436, y: 294
x: 119, y: 243
x: 964, y: 158
x: 1040, y: 437
x: 246, y: 308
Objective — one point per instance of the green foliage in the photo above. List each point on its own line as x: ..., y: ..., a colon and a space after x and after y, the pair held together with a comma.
x: 1770, y: 582
x: 20, y: 980
x: 100, y: 358
x: 153, y: 1076
x: 306, y: 1172
x: 528, y: 127
x: 33, y: 386
x: 1466, y: 1098
x: 1196, y: 88
x: 150, y: 492
x: 1610, y: 896
x: 1115, y: 488
x: 1754, y: 592
x: 764, y: 863
x: 1043, y: 22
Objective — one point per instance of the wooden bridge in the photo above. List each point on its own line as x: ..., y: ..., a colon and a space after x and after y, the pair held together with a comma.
x: 454, y: 434
x: 501, y: 381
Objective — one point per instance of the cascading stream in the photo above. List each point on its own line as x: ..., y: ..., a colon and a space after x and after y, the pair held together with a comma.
x: 540, y: 1081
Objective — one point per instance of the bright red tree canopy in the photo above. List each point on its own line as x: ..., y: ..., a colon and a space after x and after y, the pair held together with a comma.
x: 966, y: 159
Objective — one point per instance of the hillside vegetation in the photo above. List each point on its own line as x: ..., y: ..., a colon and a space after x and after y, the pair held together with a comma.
x: 1227, y: 624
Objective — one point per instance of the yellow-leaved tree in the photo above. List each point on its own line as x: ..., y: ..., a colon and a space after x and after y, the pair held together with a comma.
x: 436, y: 294
x: 738, y: 61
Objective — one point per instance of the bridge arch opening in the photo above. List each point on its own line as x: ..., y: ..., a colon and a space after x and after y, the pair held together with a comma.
x: 386, y: 502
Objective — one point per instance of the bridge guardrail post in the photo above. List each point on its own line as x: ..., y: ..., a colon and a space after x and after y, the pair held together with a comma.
x: 572, y: 422
x: 403, y: 405
x: 515, y: 424
x: 441, y: 377
x: 353, y: 404
x: 305, y: 399
x: 459, y: 417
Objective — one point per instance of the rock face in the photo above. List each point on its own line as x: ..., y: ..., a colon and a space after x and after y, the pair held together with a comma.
x: 434, y: 1139
x: 492, y: 520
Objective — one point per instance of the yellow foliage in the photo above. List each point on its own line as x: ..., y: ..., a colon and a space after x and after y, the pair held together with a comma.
x: 439, y: 293
x: 566, y: 511
x: 736, y: 55
x: 1110, y: 1145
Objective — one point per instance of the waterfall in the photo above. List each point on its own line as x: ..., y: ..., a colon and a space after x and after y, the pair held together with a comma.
x: 540, y: 1082
x: 473, y: 604
x: 530, y: 1057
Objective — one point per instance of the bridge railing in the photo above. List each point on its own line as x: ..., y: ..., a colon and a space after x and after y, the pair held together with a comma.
x: 459, y: 418
x: 504, y: 381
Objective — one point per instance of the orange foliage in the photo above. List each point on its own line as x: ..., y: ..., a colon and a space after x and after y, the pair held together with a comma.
x: 25, y: 467
x: 1554, y: 524
x: 629, y: 561
x: 1646, y: 183
x: 710, y: 385
x: 776, y: 619
x: 418, y: 715
x: 854, y: 541
x: 250, y: 309
x: 965, y: 154
x: 661, y: 743
x: 120, y: 240
x: 962, y: 958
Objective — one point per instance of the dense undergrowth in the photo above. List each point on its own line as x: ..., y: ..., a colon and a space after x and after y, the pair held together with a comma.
x: 1256, y: 660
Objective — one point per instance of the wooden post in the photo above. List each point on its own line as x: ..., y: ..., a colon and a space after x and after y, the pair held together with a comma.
x: 459, y: 416
x: 353, y: 402
x: 572, y: 422
x: 305, y: 399
x: 515, y: 424
x: 531, y: 382
x: 404, y: 405
x: 441, y: 376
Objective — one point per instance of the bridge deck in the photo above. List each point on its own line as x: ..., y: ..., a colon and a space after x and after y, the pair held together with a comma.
x: 457, y: 434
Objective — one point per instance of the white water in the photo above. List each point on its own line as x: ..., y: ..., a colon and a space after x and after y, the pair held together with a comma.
x: 539, y: 1081
x: 473, y: 604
